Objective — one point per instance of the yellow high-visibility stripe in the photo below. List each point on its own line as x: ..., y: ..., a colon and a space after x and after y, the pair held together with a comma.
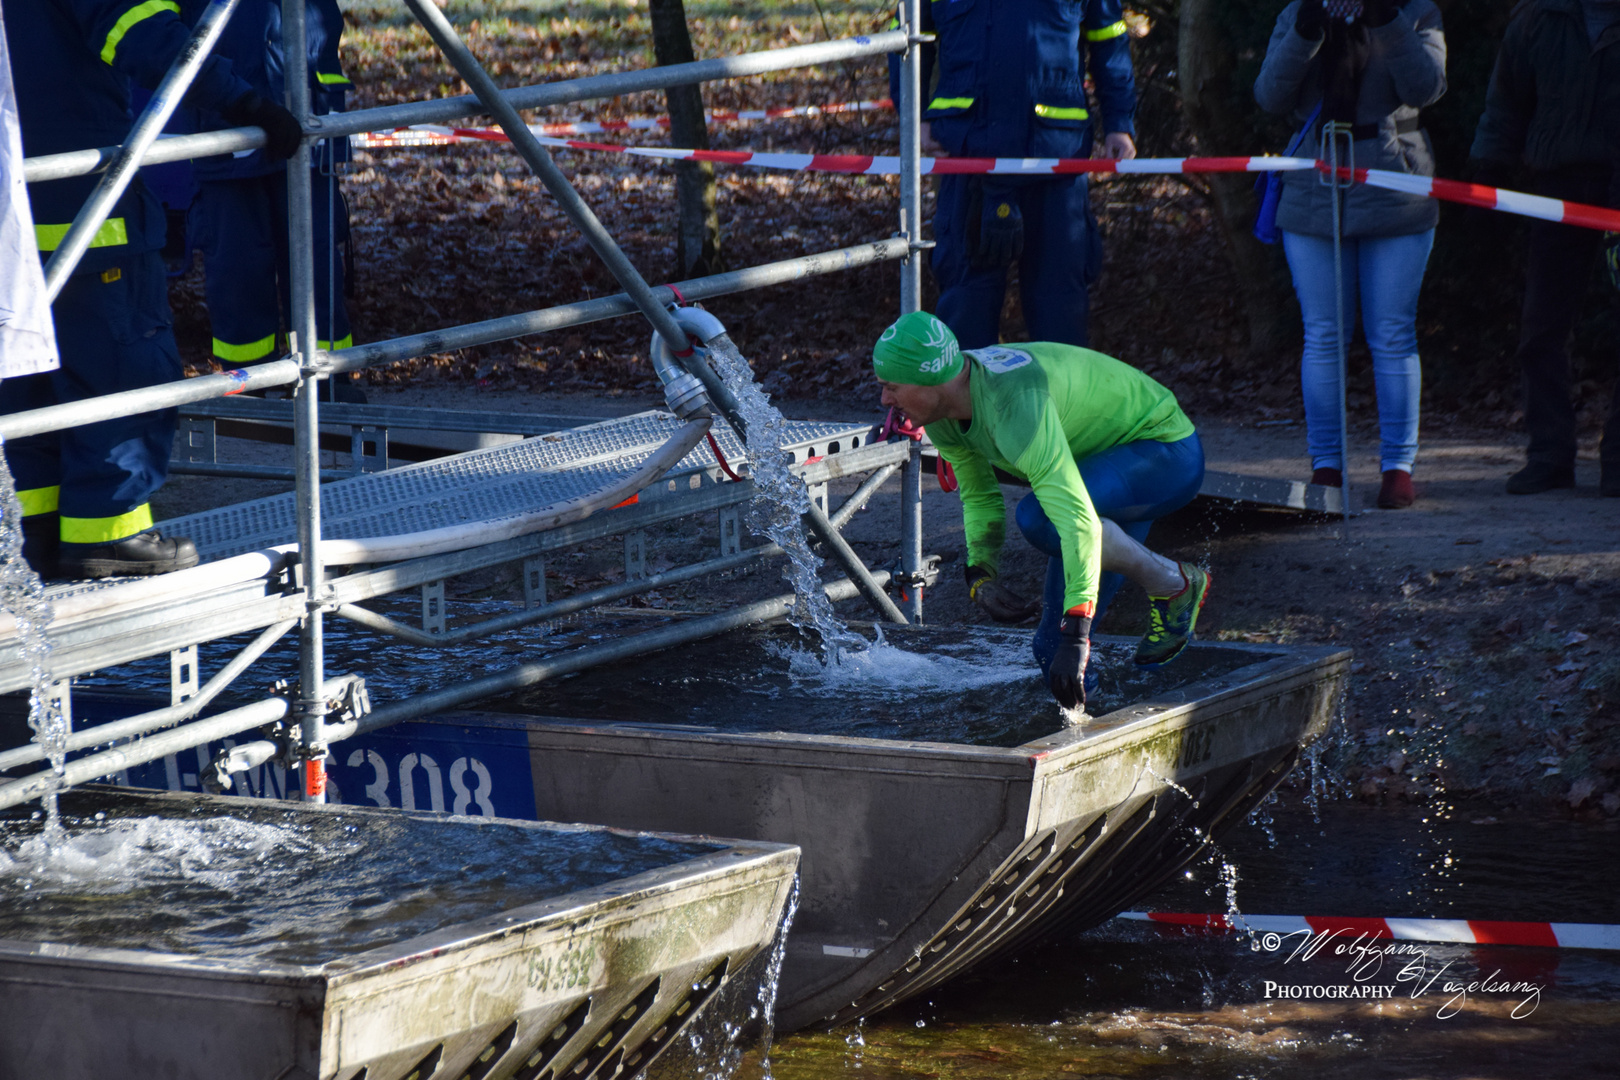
x: 1107, y: 33
x: 1059, y: 112
x: 950, y: 103
x: 108, y: 529
x: 128, y: 19
x: 39, y: 500
x: 341, y: 343
x: 242, y: 354
x: 111, y: 234
x: 325, y: 79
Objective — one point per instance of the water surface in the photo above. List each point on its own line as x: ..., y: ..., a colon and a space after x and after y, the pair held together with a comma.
x: 275, y: 882
x: 974, y: 685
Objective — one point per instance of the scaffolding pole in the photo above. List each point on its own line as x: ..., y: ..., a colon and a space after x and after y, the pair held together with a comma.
x: 910, y: 108
x: 445, y: 110
x: 310, y: 595
x: 310, y: 711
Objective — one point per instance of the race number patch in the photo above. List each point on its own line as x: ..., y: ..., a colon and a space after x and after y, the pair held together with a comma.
x: 999, y: 360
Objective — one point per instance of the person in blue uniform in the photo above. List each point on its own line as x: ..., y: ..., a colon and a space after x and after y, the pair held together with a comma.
x: 88, y: 489
x: 1007, y: 79
x: 239, y: 217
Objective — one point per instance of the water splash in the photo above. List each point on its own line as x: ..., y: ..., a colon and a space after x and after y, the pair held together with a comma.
x: 1262, y: 816
x: 133, y: 854
x: 22, y: 595
x: 882, y: 670
x: 716, y: 1042
x: 771, y: 987
x: 780, y: 501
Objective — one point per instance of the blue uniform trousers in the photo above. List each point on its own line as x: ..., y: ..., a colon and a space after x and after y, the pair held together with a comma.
x: 113, y: 333
x: 241, y: 227
x: 1062, y: 254
x: 1131, y: 485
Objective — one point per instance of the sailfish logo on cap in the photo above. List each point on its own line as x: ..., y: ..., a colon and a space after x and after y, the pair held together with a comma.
x: 940, y: 337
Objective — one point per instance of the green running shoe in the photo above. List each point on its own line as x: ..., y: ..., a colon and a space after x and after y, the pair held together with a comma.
x: 1171, y: 620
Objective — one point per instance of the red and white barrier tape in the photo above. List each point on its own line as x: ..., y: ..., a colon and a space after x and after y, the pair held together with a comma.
x: 434, y: 135
x: 1512, y: 202
x: 1464, y: 932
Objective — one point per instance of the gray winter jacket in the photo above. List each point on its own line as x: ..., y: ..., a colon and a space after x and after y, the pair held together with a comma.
x: 1406, y: 70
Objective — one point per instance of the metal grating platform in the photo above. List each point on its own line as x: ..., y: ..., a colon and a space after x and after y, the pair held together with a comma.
x: 488, y: 484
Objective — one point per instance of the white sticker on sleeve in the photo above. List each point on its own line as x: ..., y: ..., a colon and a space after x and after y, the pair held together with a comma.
x: 999, y: 360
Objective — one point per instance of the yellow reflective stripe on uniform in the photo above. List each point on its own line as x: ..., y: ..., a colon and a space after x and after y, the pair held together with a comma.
x: 106, y: 530
x: 241, y: 354
x: 339, y: 79
x: 128, y: 19
x: 1059, y: 112
x: 111, y: 234
x: 39, y: 500
x: 1108, y: 32
x: 950, y: 103
x: 341, y: 343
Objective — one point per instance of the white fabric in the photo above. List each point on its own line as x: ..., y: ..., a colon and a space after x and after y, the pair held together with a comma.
x: 27, y: 338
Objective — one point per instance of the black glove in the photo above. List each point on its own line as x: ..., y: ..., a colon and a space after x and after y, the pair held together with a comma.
x: 1611, y: 257
x: 999, y: 602
x: 1311, y: 20
x: 995, y: 227
x: 1378, y: 12
x: 281, y: 130
x: 1067, y: 675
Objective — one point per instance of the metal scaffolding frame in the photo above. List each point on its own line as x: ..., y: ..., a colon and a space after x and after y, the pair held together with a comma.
x: 275, y: 590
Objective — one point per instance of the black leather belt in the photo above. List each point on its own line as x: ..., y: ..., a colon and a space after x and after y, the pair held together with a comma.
x: 1370, y: 131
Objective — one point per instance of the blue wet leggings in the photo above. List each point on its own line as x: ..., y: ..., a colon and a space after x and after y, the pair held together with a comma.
x: 1133, y: 486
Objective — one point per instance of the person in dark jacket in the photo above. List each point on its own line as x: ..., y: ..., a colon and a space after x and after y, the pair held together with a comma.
x: 1554, y: 106
x: 1371, y: 65
x: 87, y: 489
x: 239, y: 217
x: 1006, y: 78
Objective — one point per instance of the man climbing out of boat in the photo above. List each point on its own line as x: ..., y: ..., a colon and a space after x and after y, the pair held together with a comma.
x: 1106, y: 450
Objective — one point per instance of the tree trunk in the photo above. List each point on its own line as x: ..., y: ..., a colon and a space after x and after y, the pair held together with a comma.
x: 697, y: 249
x: 1207, y: 59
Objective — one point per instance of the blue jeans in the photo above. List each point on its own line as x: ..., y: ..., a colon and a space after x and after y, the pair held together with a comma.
x: 1387, y: 271
x: 1131, y: 485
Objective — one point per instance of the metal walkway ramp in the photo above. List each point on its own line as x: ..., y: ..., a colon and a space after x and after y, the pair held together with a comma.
x: 489, y: 484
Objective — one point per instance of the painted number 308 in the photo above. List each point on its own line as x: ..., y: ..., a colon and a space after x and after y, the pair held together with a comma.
x: 463, y: 770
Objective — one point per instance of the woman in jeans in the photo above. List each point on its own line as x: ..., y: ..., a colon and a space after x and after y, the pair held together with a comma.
x: 1371, y: 64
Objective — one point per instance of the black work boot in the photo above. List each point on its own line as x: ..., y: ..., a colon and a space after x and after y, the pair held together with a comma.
x: 1537, y: 477
x: 42, y: 536
x: 141, y: 555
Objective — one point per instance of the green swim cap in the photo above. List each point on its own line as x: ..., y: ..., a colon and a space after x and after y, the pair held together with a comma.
x: 918, y: 350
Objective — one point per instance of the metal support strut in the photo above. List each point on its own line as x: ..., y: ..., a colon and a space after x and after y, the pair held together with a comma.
x: 909, y: 107
x: 1335, y: 134
x: 311, y: 708
x: 634, y: 285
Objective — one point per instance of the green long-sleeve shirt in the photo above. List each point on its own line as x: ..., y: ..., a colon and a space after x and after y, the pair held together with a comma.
x: 1037, y: 409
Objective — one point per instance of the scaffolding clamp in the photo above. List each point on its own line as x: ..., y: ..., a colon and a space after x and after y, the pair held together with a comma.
x: 924, y: 576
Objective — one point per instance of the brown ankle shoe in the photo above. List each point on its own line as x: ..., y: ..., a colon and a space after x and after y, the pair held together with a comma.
x: 1396, y: 493
x: 1328, y: 478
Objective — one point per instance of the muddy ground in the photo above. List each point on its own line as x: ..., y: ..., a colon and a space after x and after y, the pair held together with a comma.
x: 1484, y: 625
